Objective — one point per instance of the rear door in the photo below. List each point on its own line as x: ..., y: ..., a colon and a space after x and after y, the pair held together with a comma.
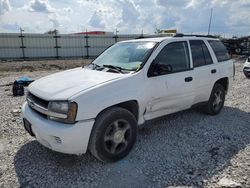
x: 205, y: 71
x: 222, y: 58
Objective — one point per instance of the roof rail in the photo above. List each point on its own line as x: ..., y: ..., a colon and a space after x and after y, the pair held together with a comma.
x: 149, y: 36
x: 184, y: 35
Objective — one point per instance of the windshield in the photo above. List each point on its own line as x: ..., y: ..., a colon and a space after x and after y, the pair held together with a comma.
x: 128, y: 55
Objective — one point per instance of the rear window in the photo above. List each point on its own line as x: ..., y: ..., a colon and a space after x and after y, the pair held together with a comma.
x: 220, y: 50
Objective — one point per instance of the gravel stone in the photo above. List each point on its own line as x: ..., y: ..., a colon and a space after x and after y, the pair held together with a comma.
x: 228, y: 183
x: 186, y: 149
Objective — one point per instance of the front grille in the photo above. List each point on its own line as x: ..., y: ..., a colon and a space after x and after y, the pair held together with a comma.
x: 38, y: 100
x: 39, y: 105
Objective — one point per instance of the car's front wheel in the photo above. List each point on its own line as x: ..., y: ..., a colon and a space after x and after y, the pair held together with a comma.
x: 247, y: 74
x: 113, y: 135
x: 216, y: 100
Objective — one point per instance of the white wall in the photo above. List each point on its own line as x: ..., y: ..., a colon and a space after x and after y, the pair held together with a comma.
x: 44, y: 45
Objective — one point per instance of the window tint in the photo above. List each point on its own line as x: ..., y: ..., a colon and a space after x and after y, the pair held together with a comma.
x: 219, y: 50
x: 176, y: 55
x: 207, y: 55
x: 200, y: 53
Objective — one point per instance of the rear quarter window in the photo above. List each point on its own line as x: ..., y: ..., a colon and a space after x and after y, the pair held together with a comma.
x: 220, y: 50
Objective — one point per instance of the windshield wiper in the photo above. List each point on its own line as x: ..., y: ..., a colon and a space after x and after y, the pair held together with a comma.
x: 94, y: 66
x: 114, y: 67
x: 117, y: 68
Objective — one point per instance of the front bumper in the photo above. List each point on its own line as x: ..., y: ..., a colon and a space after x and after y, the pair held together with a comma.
x: 64, y: 138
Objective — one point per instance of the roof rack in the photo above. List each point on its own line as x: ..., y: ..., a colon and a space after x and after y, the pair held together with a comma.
x: 183, y: 35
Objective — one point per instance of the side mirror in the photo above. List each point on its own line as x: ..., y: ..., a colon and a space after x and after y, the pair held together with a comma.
x: 159, y: 68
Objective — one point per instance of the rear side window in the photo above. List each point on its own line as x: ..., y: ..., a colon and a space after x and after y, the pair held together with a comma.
x: 200, y: 53
x: 207, y: 55
x: 220, y: 50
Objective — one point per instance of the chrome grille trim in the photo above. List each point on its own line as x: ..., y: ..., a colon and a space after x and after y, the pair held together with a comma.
x: 34, y: 105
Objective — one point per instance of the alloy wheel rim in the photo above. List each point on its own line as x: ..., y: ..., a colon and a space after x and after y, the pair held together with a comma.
x: 218, y: 100
x: 117, y: 136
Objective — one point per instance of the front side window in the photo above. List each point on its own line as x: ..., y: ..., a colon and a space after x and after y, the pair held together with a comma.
x: 175, y: 56
x: 128, y: 55
x: 200, y: 53
x: 220, y: 50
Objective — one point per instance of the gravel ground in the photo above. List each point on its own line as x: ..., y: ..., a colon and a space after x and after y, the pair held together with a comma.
x: 187, y: 149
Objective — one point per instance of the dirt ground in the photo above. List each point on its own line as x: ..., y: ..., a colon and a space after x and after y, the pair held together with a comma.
x: 9, y: 67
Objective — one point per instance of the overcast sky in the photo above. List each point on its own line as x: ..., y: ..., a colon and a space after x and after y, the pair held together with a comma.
x: 230, y: 17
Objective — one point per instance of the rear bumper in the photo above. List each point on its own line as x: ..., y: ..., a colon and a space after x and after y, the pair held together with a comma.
x: 64, y: 138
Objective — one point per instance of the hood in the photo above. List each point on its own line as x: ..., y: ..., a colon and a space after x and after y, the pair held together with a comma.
x: 63, y: 85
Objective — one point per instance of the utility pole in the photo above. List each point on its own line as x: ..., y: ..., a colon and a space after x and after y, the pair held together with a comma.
x: 116, y: 31
x: 210, y: 21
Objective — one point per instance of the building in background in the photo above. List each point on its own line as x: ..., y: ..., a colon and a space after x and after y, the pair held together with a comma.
x: 167, y: 32
x: 95, y: 33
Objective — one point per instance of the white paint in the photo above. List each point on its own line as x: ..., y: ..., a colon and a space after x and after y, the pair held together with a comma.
x: 247, y: 64
x: 74, y: 137
x: 63, y: 85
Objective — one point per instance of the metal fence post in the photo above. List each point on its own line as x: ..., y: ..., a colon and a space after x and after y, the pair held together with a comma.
x: 142, y: 35
x: 22, y: 44
x: 87, y: 45
x: 56, y: 45
x: 116, y: 38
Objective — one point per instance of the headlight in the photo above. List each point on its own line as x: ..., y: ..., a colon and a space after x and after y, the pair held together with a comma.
x: 62, y: 111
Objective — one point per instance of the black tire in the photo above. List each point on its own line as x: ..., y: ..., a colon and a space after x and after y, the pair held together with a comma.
x: 214, y: 106
x: 246, y: 75
x: 113, y: 135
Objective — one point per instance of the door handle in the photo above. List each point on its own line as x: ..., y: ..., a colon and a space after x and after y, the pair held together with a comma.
x: 213, y: 71
x: 188, y: 79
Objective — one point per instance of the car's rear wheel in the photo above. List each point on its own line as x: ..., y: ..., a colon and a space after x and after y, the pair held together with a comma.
x: 216, y: 100
x: 113, y: 134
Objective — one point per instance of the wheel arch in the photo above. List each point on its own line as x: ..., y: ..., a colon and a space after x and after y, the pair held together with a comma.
x: 131, y: 105
x: 224, y: 82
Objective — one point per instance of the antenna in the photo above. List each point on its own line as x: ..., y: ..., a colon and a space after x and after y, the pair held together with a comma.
x: 210, y: 21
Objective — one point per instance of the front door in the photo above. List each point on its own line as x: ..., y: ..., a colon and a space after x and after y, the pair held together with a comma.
x: 170, y: 79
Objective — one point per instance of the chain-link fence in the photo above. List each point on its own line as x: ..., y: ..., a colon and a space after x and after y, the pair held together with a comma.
x: 38, y: 46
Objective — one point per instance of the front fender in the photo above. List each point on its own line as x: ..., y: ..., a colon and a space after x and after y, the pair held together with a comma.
x: 92, y: 102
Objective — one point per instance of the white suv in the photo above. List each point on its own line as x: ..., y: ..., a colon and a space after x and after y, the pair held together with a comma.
x: 246, y: 68
x: 98, y: 107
